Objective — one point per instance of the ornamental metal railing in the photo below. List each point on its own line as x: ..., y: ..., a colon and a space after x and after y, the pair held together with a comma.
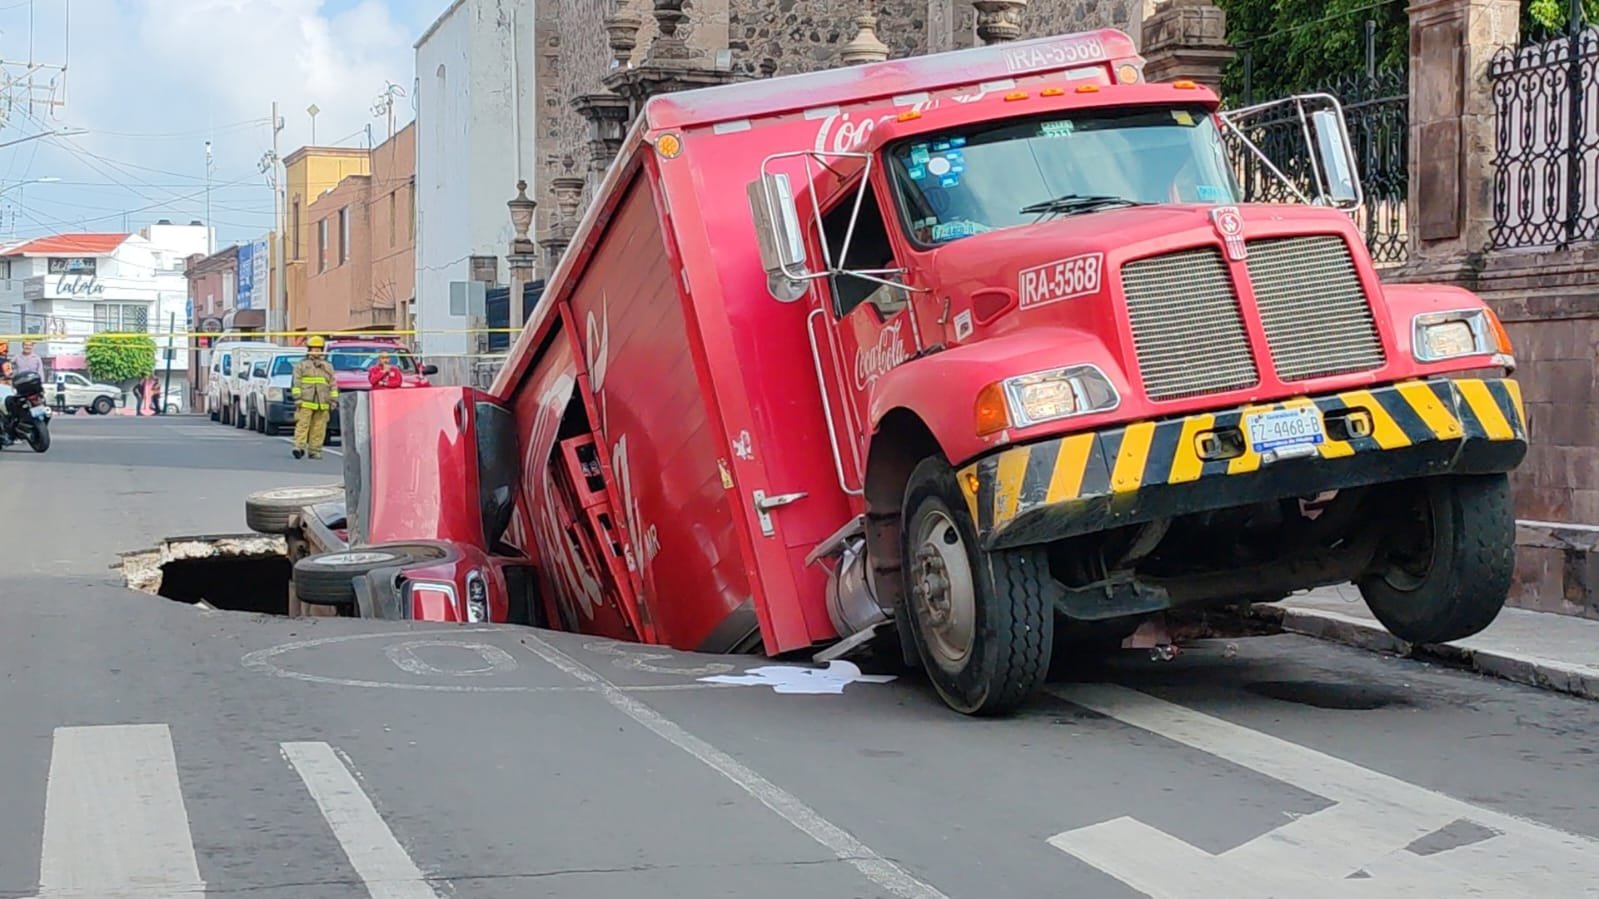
x: 1546, y: 142
x: 1377, y: 109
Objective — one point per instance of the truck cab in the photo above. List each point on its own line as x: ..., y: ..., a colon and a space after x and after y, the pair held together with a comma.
x: 1078, y: 383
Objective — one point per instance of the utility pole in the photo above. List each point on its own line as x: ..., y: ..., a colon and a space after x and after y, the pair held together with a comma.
x: 209, y: 249
x: 277, y: 315
x: 172, y: 334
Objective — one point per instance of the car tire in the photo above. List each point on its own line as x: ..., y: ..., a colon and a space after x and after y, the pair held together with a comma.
x: 1450, y: 564
x: 268, y: 511
x: 213, y: 414
x: 102, y: 405
x: 239, y: 420
x: 983, y: 622
x: 328, y: 579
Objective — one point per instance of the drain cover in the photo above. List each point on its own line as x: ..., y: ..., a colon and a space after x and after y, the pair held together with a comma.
x: 1328, y: 695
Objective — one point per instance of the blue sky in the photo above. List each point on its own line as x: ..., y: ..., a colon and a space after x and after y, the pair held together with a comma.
x: 151, y: 80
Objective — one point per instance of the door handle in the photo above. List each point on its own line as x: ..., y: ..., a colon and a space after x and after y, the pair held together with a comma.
x: 765, y: 504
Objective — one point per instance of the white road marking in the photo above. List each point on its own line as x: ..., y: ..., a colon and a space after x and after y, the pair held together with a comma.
x: 383, y: 865
x: 114, y: 822
x: 495, y: 660
x: 879, y: 870
x: 1356, y: 847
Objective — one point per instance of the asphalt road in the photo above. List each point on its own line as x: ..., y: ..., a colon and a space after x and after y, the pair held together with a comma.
x: 153, y: 749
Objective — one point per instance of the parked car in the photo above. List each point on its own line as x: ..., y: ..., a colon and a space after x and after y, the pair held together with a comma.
x: 267, y: 394
x: 81, y: 393
x: 222, y: 386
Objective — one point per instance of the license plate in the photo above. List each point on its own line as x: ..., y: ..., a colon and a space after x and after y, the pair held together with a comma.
x: 40, y: 412
x: 1300, y: 426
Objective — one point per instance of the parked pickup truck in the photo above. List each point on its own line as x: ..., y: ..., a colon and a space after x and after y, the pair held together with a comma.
x: 970, y: 357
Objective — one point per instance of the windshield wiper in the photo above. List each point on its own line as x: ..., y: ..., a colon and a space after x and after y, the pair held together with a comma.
x: 1072, y: 203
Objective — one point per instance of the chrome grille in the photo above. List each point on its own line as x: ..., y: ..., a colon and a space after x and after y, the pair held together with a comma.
x: 1317, y: 319
x: 1186, y: 325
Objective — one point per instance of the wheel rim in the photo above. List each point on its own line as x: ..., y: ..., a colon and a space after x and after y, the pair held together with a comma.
x: 1410, y: 560
x: 944, y: 590
x: 356, y: 558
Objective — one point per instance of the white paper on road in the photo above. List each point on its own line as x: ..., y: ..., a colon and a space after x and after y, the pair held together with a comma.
x: 115, y: 825
x: 1356, y: 847
x: 385, y: 868
x: 809, y: 681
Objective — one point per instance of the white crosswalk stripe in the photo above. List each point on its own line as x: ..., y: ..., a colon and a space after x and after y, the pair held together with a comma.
x: 116, y: 827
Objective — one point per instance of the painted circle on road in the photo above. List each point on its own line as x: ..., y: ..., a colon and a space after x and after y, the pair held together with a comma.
x: 495, y: 660
x: 265, y: 661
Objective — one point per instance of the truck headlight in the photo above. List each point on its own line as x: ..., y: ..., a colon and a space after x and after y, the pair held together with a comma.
x: 477, y: 599
x: 1033, y: 399
x: 1439, y: 336
x: 274, y: 394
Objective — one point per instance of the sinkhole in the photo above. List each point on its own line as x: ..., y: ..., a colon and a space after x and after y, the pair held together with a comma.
x: 236, y: 573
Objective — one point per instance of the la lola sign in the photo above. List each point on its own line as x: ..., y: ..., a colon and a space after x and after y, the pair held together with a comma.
x: 79, y: 286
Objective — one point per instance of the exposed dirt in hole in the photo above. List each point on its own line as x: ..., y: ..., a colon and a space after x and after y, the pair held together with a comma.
x: 239, y: 573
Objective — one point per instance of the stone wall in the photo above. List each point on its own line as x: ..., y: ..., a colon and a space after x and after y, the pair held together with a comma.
x: 756, y: 38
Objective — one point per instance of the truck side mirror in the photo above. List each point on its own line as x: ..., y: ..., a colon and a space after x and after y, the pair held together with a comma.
x: 1335, y: 158
x: 430, y: 369
x: 779, y: 234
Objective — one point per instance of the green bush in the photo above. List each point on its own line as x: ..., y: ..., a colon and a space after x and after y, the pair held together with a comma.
x: 1552, y: 15
x: 120, y: 357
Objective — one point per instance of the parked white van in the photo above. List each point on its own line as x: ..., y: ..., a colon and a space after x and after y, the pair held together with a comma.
x: 268, y: 409
x: 220, y: 400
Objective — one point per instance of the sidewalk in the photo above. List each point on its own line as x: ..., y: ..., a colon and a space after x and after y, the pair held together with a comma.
x: 1554, y: 652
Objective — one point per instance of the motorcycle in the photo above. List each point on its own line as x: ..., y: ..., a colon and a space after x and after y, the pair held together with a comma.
x: 24, y: 416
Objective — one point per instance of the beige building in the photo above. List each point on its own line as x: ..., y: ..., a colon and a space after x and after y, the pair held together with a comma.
x: 358, y: 249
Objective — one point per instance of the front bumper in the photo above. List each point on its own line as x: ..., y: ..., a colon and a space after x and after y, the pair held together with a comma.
x: 1083, y: 483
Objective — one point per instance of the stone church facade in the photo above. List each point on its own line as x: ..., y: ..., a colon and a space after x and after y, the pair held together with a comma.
x: 588, y: 51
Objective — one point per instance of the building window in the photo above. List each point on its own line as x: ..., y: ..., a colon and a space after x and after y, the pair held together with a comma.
x: 344, y: 235
x: 394, y: 218
x: 322, y: 245
x: 298, y: 254
x: 121, y: 318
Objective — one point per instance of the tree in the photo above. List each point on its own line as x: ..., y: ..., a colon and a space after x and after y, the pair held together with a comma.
x: 1543, y: 18
x: 120, y: 357
x: 1296, y: 45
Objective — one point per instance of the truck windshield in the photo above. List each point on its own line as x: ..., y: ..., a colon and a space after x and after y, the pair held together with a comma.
x: 284, y: 365
x: 992, y: 175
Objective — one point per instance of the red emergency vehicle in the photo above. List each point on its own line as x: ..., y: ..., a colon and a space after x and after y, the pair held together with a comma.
x: 978, y: 353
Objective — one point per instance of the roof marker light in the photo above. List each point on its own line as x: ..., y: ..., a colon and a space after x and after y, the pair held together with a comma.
x: 909, y: 115
x: 1013, y: 96
x: 668, y: 145
x: 1128, y: 74
x: 1088, y: 88
x: 1051, y: 92
x: 1184, y: 85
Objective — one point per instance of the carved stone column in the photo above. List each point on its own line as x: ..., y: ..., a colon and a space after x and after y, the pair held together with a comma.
x: 999, y: 21
x: 865, y: 47
x: 668, y: 44
x: 1186, y: 39
x: 568, y: 191
x: 607, y: 116
x: 622, y: 27
x: 669, y: 65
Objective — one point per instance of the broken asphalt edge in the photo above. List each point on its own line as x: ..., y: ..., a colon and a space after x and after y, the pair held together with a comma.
x: 1532, y: 671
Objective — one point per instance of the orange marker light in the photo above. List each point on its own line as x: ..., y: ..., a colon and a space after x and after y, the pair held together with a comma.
x: 1015, y: 95
x: 909, y: 115
x: 1088, y: 88
x: 1501, y: 336
x: 990, y: 412
x: 669, y: 145
x: 1184, y: 85
x: 1128, y: 74
x: 1051, y: 92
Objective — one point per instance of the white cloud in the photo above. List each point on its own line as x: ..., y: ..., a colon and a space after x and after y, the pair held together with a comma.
x: 152, y: 79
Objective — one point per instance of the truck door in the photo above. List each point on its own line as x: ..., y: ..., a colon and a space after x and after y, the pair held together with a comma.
x: 868, y: 328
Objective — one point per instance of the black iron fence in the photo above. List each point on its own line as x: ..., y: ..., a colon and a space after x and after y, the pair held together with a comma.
x: 1377, y: 108
x: 1546, y: 142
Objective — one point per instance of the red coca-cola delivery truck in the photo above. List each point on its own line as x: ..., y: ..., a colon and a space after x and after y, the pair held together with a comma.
x: 971, y: 355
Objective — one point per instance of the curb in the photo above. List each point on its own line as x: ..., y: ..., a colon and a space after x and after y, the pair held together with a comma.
x: 1546, y: 674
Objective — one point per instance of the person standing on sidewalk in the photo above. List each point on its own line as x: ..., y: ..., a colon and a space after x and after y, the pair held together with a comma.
x: 384, y: 375
x: 139, y: 387
x: 315, y: 390
x: 28, y: 361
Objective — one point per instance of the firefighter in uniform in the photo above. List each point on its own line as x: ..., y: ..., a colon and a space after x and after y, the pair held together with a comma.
x: 314, y: 391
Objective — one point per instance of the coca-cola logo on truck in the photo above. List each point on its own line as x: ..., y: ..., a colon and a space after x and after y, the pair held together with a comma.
x: 872, y: 361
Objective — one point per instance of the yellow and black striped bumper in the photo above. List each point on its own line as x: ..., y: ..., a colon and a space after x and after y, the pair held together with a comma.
x: 1082, y: 483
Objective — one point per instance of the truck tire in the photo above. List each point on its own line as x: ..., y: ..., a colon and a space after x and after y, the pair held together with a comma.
x: 329, y: 579
x: 102, y: 405
x: 983, y: 622
x: 1448, y: 575
x: 268, y: 511
x: 238, y: 417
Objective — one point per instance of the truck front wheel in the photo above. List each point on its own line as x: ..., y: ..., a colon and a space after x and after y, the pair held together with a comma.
x: 1450, y: 560
x: 983, y: 622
